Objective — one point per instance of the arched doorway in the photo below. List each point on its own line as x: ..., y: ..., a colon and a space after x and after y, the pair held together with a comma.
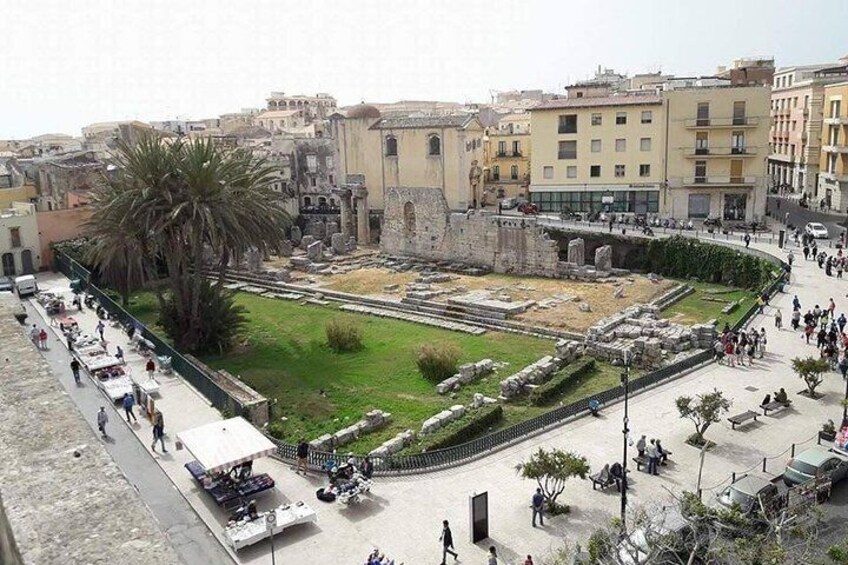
x: 8, y: 265
x: 26, y: 262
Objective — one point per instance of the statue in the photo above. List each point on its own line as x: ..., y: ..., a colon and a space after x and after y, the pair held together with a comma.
x: 474, y: 176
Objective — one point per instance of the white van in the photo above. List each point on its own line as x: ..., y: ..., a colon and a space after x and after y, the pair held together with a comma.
x: 26, y: 285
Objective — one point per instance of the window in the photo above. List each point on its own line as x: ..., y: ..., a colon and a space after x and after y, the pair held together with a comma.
x: 596, y: 146
x: 391, y: 146
x: 595, y: 171
x: 734, y: 206
x: 703, y: 116
x: 330, y: 179
x: 620, y: 118
x: 329, y: 161
x: 516, y: 148
x: 548, y: 172
x: 700, y: 171
x: 597, y: 119
x: 322, y: 201
x: 619, y: 170
x: 496, y: 172
x: 435, y: 145
x: 568, y: 150
x: 737, y: 142
x: 620, y: 145
x: 699, y: 205
x: 312, y: 163
x: 645, y: 144
x: 501, y: 148
x: 834, y: 108
x: 702, y: 143
x: 568, y: 123
x: 644, y: 170
x: 307, y: 201
x: 513, y: 172
x: 15, y: 235
x: 571, y: 172
x: 739, y: 113
x: 647, y: 117
x: 313, y: 181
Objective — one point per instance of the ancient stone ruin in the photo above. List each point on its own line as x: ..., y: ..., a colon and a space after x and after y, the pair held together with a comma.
x: 540, y: 372
x: 468, y: 373
x: 373, y: 420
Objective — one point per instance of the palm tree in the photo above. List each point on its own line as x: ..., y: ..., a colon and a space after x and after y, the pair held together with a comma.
x: 189, y: 205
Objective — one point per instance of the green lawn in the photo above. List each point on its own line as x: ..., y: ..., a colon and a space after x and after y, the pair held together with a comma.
x: 695, y: 309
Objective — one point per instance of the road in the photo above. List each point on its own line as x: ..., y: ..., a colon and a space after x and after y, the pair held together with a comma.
x: 798, y: 216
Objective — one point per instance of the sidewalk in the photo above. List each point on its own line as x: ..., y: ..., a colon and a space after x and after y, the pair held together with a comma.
x: 402, y: 517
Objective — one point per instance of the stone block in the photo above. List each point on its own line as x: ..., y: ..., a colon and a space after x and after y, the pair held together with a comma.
x: 351, y: 244
x: 286, y: 248
x: 577, y: 252
x: 485, y: 366
x: 430, y: 425
x: 338, y: 244
x: 458, y: 411
x: 306, y: 241
x: 315, y: 250
x: 603, y: 258
x: 467, y: 372
x: 296, y: 235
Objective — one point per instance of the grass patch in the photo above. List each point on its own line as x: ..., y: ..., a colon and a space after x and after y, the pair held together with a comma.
x: 694, y: 309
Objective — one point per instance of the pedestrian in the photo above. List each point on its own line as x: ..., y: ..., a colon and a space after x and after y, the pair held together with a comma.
x: 128, y: 402
x: 75, y: 368
x: 34, y: 335
x: 843, y: 366
x: 538, y: 506
x: 653, y: 458
x: 150, y: 367
x: 841, y: 321
x: 70, y: 341
x: 808, y: 331
x: 831, y: 309
x: 718, y: 349
x: 101, y: 327
x: 790, y: 258
x: 796, y: 304
x: 747, y: 240
x: 796, y: 319
x: 663, y: 454
x: 763, y: 341
x: 158, y: 435
x: 640, y: 446
x: 528, y: 561
x: 159, y: 420
x: 302, y: 453
x: 806, y: 252
x: 778, y: 319
x: 740, y: 353
x: 493, y: 555
x: 761, y: 304
x: 840, y: 266
x: 119, y: 354
x: 729, y: 353
x: 447, y: 542
x: 102, y: 420
x: 750, y: 351
x: 42, y: 339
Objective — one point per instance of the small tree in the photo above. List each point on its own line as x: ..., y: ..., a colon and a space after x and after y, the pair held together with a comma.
x: 551, y: 469
x: 704, y: 411
x: 437, y: 362
x: 810, y: 370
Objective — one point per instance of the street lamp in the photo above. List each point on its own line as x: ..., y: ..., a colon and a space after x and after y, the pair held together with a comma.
x: 625, y: 382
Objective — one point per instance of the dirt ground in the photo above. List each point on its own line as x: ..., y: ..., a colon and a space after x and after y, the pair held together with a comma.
x: 563, y: 314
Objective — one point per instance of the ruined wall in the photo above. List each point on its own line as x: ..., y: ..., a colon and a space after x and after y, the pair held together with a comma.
x: 59, y: 225
x: 417, y: 222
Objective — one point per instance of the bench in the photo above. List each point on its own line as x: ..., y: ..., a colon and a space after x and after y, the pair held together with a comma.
x: 740, y: 419
x: 597, y: 482
x: 643, y: 461
x: 775, y: 405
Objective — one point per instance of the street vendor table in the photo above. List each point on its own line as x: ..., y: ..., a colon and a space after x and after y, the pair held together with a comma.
x: 96, y: 363
x: 247, y: 532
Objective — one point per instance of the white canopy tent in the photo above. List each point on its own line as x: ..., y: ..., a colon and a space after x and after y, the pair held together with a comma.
x: 220, y: 446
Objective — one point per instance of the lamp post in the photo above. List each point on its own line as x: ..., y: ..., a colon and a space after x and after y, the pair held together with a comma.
x: 625, y: 382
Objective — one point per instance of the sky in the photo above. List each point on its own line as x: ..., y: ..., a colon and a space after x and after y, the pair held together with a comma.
x: 68, y: 63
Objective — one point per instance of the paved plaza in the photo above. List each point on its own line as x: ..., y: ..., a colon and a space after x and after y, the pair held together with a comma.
x: 402, y: 516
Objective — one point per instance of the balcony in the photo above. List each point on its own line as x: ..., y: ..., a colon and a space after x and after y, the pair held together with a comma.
x: 835, y: 148
x: 719, y: 181
x: 709, y: 152
x: 834, y: 177
x: 838, y: 121
x: 501, y: 154
x: 701, y: 123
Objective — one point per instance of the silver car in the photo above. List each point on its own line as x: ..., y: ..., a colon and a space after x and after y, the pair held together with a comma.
x: 748, y: 492
x: 816, y: 462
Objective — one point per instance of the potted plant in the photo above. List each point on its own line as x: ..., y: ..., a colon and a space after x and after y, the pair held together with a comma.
x: 828, y: 431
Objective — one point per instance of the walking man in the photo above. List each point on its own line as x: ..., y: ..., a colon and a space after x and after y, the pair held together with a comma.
x: 747, y: 240
x: 128, y: 404
x: 302, y: 453
x: 158, y: 433
x: 100, y: 328
x: 102, y: 420
x: 150, y: 367
x: 653, y: 458
x: 42, y: 339
x: 538, y: 506
x: 34, y: 335
x: 75, y: 367
x: 447, y: 542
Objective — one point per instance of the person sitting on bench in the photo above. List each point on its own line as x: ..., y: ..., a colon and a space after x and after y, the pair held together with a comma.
x: 617, y: 473
x: 766, y: 400
x: 662, y: 453
x: 594, y: 406
x: 604, y: 476
x: 781, y: 396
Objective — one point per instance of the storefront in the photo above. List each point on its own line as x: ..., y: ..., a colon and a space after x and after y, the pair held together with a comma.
x: 585, y: 201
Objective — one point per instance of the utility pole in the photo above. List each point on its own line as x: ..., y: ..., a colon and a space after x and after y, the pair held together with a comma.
x: 625, y: 382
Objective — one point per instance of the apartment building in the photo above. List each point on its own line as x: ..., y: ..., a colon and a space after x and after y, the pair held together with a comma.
x: 717, y: 144
x: 19, y: 240
x: 796, y: 134
x: 594, y: 152
x: 507, y: 155
x: 684, y: 152
x: 318, y: 107
x: 833, y: 161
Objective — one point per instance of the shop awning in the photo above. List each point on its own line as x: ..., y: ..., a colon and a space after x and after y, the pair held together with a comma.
x: 219, y: 446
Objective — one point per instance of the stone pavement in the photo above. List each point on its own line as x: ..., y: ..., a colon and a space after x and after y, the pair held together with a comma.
x: 402, y: 516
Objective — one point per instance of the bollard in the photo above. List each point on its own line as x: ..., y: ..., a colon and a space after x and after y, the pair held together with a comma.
x: 792, y: 451
x: 764, y: 464
x: 700, y: 494
x: 733, y: 477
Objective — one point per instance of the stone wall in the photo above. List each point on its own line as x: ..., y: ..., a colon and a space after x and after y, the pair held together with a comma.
x: 418, y: 223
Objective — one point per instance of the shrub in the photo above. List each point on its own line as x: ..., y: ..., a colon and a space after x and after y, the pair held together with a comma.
x: 437, y: 362
x: 475, y: 422
x: 277, y: 430
x: 222, y: 319
x: 343, y: 336
x: 560, y: 381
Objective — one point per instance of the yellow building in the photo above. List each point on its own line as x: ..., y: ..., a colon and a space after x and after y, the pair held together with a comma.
x: 833, y: 178
x: 428, y: 151
x: 596, y: 153
x: 20, y: 249
x: 507, y: 156
x: 718, y: 144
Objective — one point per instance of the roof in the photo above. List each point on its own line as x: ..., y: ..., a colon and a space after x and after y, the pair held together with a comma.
x: 363, y: 111
x: 750, y: 484
x: 218, y: 446
x: 279, y: 113
x: 406, y: 122
x: 600, y: 102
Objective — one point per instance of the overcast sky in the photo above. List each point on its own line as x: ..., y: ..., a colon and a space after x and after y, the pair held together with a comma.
x: 67, y: 63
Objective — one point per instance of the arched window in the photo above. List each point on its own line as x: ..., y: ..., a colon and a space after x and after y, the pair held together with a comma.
x: 307, y: 201
x: 391, y: 146
x: 435, y: 145
x: 322, y: 201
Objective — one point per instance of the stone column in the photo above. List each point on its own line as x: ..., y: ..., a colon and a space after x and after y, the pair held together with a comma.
x: 362, y: 226
x: 345, y: 198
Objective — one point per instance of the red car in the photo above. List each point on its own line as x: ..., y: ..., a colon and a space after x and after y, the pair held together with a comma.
x: 528, y: 209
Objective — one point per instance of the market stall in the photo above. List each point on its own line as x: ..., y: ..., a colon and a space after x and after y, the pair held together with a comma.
x: 224, y: 453
x: 254, y: 528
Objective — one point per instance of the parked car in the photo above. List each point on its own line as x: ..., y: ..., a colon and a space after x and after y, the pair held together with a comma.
x: 6, y: 284
x: 509, y: 203
x: 816, y: 230
x: 26, y: 285
x: 748, y: 492
x: 815, y: 462
x: 528, y: 209
x: 665, y: 539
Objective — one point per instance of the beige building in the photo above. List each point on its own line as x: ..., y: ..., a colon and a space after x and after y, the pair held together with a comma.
x: 717, y: 144
x: 280, y: 120
x: 427, y: 151
x: 833, y: 178
x: 19, y: 242
x: 507, y: 156
x: 597, y: 152
x: 318, y: 107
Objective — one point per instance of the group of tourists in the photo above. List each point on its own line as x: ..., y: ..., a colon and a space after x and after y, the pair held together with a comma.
x: 827, y: 329
x: 829, y: 263
x: 734, y: 347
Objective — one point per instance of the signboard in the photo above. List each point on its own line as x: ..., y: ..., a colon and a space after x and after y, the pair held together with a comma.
x: 841, y: 441
x: 607, y: 199
x: 479, y: 507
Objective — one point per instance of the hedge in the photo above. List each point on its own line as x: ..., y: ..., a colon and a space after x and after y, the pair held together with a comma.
x: 554, y: 387
x: 470, y: 426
